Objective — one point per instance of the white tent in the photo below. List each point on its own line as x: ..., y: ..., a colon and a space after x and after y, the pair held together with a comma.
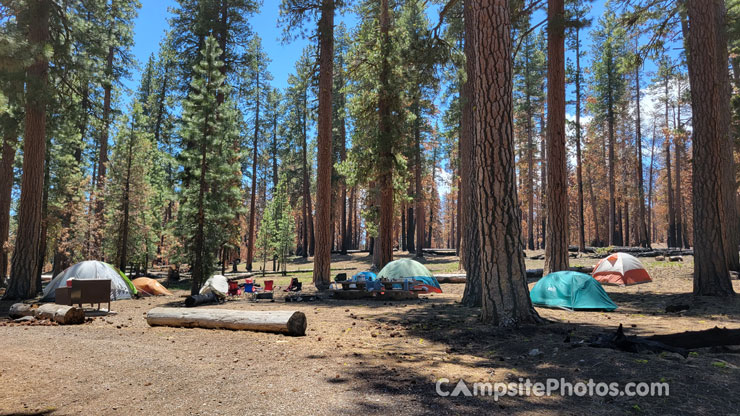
x: 120, y: 288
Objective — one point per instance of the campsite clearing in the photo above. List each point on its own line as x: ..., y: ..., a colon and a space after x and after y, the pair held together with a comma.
x: 368, y: 356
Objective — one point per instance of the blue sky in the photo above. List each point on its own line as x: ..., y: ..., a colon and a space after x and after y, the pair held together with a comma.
x: 151, y: 25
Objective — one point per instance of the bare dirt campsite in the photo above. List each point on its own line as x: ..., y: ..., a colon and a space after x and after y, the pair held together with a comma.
x: 407, y: 207
x: 369, y: 357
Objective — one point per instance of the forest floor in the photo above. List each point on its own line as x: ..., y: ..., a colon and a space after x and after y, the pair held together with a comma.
x: 369, y: 356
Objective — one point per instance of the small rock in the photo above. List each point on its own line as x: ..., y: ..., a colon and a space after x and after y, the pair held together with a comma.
x: 535, y: 352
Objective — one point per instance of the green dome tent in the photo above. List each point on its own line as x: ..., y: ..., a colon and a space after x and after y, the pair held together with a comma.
x: 120, y: 287
x: 570, y: 290
x: 406, y: 268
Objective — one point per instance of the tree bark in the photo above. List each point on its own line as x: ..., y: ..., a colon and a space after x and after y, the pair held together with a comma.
x: 103, y: 150
x: 642, y: 239
x: 714, y: 244
x: 543, y: 185
x: 385, y: 148
x: 10, y: 141
x: 505, y: 296
x: 27, y: 244
x: 253, y: 190
x: 322, y: 259
x: 470, y: 250
x: 579, y: 162
x: 418, y: 188
x: 556, y: 248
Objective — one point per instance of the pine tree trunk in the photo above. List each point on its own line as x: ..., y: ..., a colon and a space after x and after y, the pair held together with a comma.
x: 612, y: 236
x: 505, y: 296
x: 10, y: 141
x: 418, y: 189
x: 306, y: 190
x: 432, y: 198
x: 470, y: 258
x: 594, y: 212
x: 322, y: 259
x: 103, y: 150
x: 44, y: 217
x: 26, y: 254
x: 123, y: 246
x: 385, y: 146
x: 556, y: 248
x: 679, y: 220
x: 410, y: 229
x: 642, y: 239
x: 714, y: 244
x: 198, y: 267
x: 579, y: 162
x: 543, y: 186
x: 345, y: 228
x: 669, y: 188
x: 404, y: 246
x: 530, y: 179
x: 253, y: 190
x: 626, y: 229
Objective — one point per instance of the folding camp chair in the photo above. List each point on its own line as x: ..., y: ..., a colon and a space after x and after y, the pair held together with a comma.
x: 234, y: 288
x: 264, y: 293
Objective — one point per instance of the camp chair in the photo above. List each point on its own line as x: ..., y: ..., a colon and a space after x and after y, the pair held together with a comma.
x: 264, y: 293
x: 233, y: 288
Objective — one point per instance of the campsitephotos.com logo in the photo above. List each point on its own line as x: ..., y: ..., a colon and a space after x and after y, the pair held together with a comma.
x: 551, y: 386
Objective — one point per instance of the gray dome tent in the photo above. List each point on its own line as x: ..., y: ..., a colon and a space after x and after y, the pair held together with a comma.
x: 120, y: 288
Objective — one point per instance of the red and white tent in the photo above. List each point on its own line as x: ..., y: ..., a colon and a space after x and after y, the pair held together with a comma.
x: 620, y: 269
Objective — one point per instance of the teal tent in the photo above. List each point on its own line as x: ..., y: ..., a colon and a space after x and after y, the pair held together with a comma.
x: 570, y: 290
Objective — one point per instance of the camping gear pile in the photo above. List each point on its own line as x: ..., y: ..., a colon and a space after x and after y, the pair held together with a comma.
x: 399, y: 277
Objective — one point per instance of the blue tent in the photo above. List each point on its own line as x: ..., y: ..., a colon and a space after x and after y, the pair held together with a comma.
x: 365, y: 276
x: 570, y: 290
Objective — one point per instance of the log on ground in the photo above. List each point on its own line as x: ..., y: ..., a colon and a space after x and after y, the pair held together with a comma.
x: 19, y: 310
x: 451, y: 277
x: 284, y: 322
x: 61, y: 314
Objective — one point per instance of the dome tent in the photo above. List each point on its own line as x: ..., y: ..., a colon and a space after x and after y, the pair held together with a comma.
x: 120, y: 288
x: 570, y: 290
x: 150, y: 287
x: 620, y: 269
x: 406, y: 268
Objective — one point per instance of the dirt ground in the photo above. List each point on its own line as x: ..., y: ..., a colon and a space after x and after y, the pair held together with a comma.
x: 369, y: 357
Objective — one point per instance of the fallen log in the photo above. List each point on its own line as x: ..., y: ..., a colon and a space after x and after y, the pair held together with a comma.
x: 61, y: 314
x: 537, y: 273
x: 622, y: 342
x: 284, y: 322
x: 197, y: 300
x: 451, y: 277
x: 19, y: 310
x: 700, y: 339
